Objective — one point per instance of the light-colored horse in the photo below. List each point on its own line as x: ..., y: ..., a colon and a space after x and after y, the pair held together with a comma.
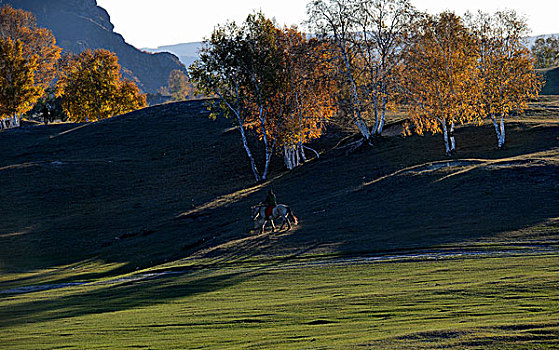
x: 280, y: 211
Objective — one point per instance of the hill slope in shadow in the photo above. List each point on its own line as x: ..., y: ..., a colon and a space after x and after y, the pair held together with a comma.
x: 551, y: 86
x: 166, y: 183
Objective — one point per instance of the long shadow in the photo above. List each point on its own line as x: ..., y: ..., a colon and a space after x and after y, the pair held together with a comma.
x: 75, y: 220
x: 112, y: 298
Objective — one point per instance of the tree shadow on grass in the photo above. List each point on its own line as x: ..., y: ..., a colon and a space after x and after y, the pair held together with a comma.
x: 112, y: 298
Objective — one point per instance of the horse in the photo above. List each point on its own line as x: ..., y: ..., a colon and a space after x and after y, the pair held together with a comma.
x: 280, y: 211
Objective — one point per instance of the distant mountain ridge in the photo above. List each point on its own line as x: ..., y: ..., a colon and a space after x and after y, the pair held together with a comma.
x: 186, y: 52
x: 81, y: 24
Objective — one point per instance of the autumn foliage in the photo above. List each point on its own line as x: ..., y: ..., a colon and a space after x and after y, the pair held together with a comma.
x: 506, y: 73
x: 441, y: 77
x: 28, y: 57
x: 90, y: 84
x: 18, y: 91
x: 92, y: 88
x: 273, y: 81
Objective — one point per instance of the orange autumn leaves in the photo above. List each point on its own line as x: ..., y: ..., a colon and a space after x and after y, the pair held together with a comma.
x: 90, y: 84
x: 273, y: 81
x: 28, y: 57
x: 92, y: 88
x: 459, y: 72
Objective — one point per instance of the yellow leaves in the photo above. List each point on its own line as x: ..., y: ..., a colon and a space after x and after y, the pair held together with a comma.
x: 38, y: 43
x: 300, y: 103
x: 91, y: 87
x: 27, y: 60
x: 18, y: 91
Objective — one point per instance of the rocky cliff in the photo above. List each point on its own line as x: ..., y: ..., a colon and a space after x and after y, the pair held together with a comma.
x: 81, y: 24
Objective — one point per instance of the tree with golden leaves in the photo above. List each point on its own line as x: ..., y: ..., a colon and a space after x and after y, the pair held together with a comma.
x: 441, y: 76
x: 179, y: 87
x: 18, y: 91
x: 39, y: 43
x: 92, y: 88
x: 35, y: 51
x: 272, y: 81
x: 334, y: 21
x: 305, y: 103
x: 507, y: 76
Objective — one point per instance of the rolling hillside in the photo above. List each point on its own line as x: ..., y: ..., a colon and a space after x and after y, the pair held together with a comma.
x: 135, y: 232
x: 166, y: 183
x: 551, y: 86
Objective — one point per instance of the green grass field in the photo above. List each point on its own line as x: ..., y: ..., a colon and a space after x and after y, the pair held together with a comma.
x: 135, y: 232
x: 508, y: 302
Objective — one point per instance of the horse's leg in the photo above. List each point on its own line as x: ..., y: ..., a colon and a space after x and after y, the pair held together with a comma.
x: 288, y: 223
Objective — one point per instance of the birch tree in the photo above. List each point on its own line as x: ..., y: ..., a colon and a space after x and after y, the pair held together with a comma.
x: 240, y: 65
x: 441, y: 77
x: 506, y: 71
x: 18, y: 91
x: 334, y: 20
x: 382, y: 28
x: 218, y: 72
x: 305, y: 103
x: 261, y: 63
x: 35, y: 51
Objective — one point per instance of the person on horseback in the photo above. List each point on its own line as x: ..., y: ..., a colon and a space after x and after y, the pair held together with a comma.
x: 46, y: 114
x: 270, y: 203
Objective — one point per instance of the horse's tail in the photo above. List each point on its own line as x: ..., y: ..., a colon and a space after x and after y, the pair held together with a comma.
x: 290, y: 212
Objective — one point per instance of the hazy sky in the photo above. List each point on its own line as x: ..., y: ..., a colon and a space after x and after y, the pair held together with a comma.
x: 152, y: 23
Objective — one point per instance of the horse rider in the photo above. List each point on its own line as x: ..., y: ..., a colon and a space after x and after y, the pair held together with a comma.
x: 270, y: 203
x: 46, y: 114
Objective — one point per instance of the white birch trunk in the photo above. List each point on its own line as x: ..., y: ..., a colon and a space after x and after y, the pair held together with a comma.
x: 375, y: 128
x: 15, y: 121
x: 502, y: 136
x: 294, y: 155
x: 445, y: 136
x: 301, y: 150
x: 244, y: 139
x: 383, y: 115
x: 363, y: 129
x: 497, y: 130
x: 452, y: 141
x: 267, y: 165
x: 248, y: 152
x: 287, y: 157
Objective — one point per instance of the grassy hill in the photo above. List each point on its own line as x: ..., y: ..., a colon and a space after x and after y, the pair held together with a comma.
x: 167, y: 190
x: 166, y: 182
x: 551, y: 76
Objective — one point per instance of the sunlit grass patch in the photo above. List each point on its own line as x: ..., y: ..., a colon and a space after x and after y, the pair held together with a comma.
x: 510, y: 302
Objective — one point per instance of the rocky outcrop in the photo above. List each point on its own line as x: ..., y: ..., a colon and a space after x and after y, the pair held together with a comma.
x: 81, y: 24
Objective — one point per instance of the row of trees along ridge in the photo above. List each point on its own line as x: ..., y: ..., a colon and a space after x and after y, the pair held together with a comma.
x: 366, y: 57
x: 31, y: 68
